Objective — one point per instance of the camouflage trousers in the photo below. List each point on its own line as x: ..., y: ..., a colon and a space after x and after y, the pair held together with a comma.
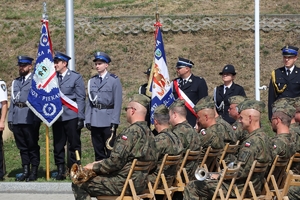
x: 294, y: 193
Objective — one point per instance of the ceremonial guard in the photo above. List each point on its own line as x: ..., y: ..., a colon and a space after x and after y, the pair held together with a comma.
x: 189, y: 87
x: 68, y: 126
x: 285, y: 81
x: 104, y: 107
x: 3, y: 111
x: 21, y: 120
x: 226, y: 90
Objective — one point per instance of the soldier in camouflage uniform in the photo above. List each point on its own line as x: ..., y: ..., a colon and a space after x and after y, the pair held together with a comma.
x: 190, y: 139
x: 134, y: 142
x: 234, y: 101
x: 282, y: 144
x: 229, y: 136
x: 295, y: 127
x: 166, y: 142
x: 254, y: 147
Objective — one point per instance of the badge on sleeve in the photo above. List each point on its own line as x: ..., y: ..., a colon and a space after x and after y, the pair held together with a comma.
x: 124, y: 137
x: 234, y: 127
x: 3, y: 87
x: 247, y: 144
x: 274, y: 146
x: 202, y: 131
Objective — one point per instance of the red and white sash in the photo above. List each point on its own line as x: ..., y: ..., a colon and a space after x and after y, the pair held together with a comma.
x: 68, y: 102
x: 181, y: 95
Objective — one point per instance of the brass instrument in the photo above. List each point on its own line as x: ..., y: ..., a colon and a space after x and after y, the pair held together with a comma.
x: 202, y: 174
x: 78, y: 174
x: 113, y: 134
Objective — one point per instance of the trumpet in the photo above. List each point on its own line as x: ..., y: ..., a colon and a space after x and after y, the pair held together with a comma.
x: 202, y: 174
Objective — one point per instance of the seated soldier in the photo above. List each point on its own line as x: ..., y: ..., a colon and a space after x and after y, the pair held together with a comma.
x: 134, y: 142
x: 254, y: 147
x: 282, y: 144
x: 181, y: 128
x: 234, y: 101
x: 166, y: 143
x: 229, y: 136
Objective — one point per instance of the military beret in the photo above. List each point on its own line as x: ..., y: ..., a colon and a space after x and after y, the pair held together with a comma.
x: 282, y: 102
x: 228, y: 69
x: 285, y: 108
x: 205, y: 102
x: 236, y: 99
x: 296, y: 103
x: 61, y: 56
x: 161, y: 109
x: 24, y: 60
x: 177, y: 103
x: 289, y: 51
x: 251, y: 104
x: 102, y: 56
x: 182, y: 62
x: 141, y: 99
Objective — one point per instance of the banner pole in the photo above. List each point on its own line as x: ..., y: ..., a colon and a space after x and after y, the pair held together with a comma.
x: 47, y: 154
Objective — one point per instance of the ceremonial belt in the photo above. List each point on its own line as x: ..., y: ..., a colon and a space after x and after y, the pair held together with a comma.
x: 72, y: 105
x: 102, y: 106
x: 21, y: 104
x: 181, y: 95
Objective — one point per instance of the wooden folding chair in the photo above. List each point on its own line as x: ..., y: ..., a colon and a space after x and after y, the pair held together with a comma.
x: 291, y: 180
x: 136, y: 166
x: 210, y: 159
x: 255, y: 168
x: 229, y: 149
x: 167, y: 188
x: 294, y: 162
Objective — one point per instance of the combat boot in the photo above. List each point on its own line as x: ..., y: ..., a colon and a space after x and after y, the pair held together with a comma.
x: 61, y: 172
x: 33, y: 174
x: 25, y: 175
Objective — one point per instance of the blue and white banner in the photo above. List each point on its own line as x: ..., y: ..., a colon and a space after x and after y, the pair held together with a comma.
x: 44, y: 98
x: 161, y: 86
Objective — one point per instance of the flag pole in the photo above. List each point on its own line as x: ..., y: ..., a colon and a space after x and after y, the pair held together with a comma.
x: 45, y: 17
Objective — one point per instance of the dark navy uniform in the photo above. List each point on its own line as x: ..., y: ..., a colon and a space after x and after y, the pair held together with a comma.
x: 195, y: 88
x: 68, y: 125
x: 3, y: 110
x: 21, y: 120
x: 284, y: 83
x: 103, y: 109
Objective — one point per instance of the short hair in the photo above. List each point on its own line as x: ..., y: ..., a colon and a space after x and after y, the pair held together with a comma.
x: 285, y: 119
x: 180, y: 110
x: 162, y: 118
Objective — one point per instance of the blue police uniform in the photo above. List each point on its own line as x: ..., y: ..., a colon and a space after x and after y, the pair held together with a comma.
x: 68, y: 126
x: 195, y: 88
x: 283, y: 84
x: 103, y: 108
x: 21, y: 123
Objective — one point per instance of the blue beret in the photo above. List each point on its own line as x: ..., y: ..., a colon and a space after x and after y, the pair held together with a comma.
x: 102, y: 56
x: 24, y: 60
x: 61, y: 56
x: 182, y: 62
x: 289, y: 51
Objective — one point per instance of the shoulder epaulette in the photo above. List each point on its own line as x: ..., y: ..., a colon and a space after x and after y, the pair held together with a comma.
x: 75, y: 72
x: 113, y: 75
x: 95, y: 75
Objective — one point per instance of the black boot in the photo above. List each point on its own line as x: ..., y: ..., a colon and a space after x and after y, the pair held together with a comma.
x: 25, y: 175
x: 33, y: 174
x: 61, y: 172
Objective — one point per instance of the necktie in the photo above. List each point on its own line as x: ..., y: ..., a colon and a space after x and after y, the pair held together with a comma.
x: 226, y: 88
x: 100, y: 79
x: 288, y: 72
x: 60, y: 77
x: 23, y: 80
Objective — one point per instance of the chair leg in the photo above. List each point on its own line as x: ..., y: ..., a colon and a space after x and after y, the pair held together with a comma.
x: 134, y: 195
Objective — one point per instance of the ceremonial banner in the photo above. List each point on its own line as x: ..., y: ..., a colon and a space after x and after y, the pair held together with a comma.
x: 161, y: 86
x: 44, y: 96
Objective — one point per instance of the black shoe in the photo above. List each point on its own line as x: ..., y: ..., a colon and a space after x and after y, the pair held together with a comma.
x: 33, y: 174
x: 61, y: 173
x: 25, y: 174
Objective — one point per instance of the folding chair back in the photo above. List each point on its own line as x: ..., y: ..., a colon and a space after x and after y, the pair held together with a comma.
x: 172, y: 164
x: 210, y: 159
x: 143, y: 166
x: 294, y: 163
x: 291, y: 180
x: 229, y: 149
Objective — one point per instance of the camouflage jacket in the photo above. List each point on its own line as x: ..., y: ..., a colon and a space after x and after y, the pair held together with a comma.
x: 229, y: 136
x: 238, y: 131
x: 282, y: 145
x: 212, y: 136
x: 295, y: 134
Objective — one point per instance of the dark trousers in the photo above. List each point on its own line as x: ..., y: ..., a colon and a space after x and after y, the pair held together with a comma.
x: 64, y: 131
x: 2, y: 163
x: 27, y: 142
x: 99, y: 137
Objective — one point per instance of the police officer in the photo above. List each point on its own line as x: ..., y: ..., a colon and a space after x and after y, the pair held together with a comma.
x: 21, y: 120
x: 104, y: 106
x: 68, y: 126
x: 226, y: 90
x: 3, y: 111
x: 285, y: 81
x: 189, y: 87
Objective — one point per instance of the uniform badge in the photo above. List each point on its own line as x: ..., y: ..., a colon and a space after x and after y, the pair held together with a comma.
x: 247, y: 144
x: 190, y: 80
x: 274, y: 146
x: 124, y: 137
x: 234, y: 127
x: 202, y: 131
x: 3, y: 87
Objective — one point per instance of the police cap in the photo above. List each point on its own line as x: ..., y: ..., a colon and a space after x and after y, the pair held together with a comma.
x: 289, y: 51
x: 24, y: 60
x: 182, y: 62
x: 102, y: 56
x: 61, y: 56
